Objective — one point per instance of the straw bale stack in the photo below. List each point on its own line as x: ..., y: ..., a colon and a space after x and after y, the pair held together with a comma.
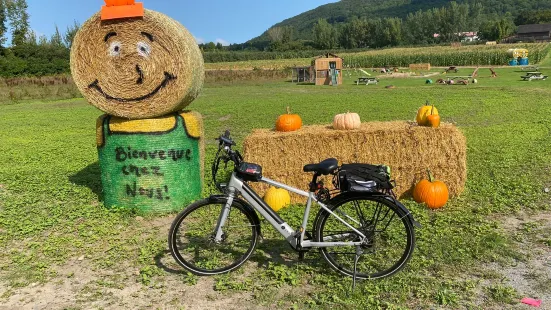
x: 406, y: 147
x: 137, y: 68
x: 419, y: 67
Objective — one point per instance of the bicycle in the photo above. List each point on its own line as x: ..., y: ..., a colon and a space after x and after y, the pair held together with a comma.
x: 364, y: 234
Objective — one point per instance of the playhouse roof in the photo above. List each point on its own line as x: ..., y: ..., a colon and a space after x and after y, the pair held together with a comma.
x: 328, y: 55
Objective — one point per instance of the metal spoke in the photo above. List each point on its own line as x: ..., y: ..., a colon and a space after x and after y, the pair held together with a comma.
x: 359, y: 212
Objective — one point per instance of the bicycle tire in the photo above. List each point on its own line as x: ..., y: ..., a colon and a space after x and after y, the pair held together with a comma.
x: 191, y: 237
x: 402, y: 232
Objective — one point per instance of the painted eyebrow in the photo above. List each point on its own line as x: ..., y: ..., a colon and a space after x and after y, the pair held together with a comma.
x: 148, y: 35
x: 109, y: 35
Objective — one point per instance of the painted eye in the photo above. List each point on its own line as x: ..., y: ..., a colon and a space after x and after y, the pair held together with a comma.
x: 115, y: 49
x: 144, y: 49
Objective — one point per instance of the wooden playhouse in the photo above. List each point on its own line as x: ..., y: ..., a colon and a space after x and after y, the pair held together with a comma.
x: 328, y: 69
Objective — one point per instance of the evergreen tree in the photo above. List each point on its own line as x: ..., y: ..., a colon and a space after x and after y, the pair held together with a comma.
x: 56, y: 39
x: 3, y: 28
x: 19, y: 20
x: 70, y: 34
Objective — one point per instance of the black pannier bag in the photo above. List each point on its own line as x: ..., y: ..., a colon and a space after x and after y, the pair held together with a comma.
x: 363, y: 178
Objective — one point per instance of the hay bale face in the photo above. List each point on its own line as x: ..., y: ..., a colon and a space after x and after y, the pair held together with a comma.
x: 137, y: 68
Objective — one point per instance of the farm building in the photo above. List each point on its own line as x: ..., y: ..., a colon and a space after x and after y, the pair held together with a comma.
x: 328, y: 69
x: 537, y: 32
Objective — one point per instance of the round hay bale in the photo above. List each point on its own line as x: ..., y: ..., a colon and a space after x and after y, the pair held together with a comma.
x: 137, y: 68
x: 475, y: 81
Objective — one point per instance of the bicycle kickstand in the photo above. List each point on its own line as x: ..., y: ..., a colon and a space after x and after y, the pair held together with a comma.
x: 359, y: 252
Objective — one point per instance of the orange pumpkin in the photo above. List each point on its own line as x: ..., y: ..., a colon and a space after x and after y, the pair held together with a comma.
x: 288, y: 122
x: 432, y: 192
x: 433, y: 119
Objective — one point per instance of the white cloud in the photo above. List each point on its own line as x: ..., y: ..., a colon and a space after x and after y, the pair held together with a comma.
x: 203, y: 41
x: 222, y: 41
x: 200, y: 40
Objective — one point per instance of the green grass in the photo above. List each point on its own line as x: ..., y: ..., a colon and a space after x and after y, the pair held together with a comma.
x: 50, y: 213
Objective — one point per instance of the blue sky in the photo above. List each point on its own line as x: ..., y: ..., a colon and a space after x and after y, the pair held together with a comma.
x: 226, y: 21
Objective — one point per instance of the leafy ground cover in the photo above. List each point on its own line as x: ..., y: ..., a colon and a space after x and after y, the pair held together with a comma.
x: 62, y: 249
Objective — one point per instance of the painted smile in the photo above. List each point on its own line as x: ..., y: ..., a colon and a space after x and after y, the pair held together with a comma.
x: 168, y: 77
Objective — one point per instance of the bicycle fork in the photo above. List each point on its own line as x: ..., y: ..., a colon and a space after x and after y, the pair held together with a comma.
x: 218, y: 232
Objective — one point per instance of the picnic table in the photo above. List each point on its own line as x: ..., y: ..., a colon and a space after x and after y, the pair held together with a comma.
x: 367, y: 80
x: 452, y: 68
x: 535, y: 75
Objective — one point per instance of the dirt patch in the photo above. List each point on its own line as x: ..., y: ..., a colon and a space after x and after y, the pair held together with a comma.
x: 403, y: 75
x: 530, y: 275
x: 80, y: 286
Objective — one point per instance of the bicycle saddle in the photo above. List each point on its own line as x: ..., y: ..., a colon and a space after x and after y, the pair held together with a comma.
x: 324, y: 168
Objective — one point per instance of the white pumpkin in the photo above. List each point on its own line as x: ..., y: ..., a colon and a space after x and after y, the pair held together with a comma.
x: 347, y: 121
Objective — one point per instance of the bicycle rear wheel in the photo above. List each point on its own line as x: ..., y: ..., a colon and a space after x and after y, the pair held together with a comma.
x: 191, y: 237
x: 390, y: 236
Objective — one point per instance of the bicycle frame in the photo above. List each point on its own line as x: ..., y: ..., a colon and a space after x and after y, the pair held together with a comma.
x: 237, y: 185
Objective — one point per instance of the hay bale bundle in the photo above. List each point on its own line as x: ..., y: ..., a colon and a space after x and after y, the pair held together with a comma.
x: 137, y: 68
x: 419, y: 67
x: 151, y: 164
x: 142, y: 68
x: 407, y: 148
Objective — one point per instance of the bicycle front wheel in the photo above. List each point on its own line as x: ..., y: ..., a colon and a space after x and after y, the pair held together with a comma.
x: 191, y: 237
x: 390, y: 236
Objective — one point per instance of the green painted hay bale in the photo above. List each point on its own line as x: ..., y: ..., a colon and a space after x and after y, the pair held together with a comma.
x: 154, y: 165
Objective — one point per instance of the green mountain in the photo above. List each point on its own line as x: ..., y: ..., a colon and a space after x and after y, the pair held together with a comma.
x: 343, y: 10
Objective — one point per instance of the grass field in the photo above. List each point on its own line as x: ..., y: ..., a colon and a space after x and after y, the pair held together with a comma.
x: 62, y: 249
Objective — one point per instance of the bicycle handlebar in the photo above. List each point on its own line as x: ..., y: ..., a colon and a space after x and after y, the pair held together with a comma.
x: 225, y: 139
x: 230, y: 155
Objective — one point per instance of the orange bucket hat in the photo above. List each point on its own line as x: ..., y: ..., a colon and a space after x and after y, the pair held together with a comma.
x: 115, y: 9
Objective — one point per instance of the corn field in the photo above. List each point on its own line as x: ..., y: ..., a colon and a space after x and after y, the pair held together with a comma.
x: 478, y: 55
x: 472, y: 55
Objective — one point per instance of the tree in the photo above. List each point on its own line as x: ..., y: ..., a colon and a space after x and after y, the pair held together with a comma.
x: 275, y: 34
x: 495, y: 30
x: 42, y: 40
x: 356, y: 33
x: 210, y: 46
x: 288, y: 34
x: 324, y: 35
x: 56, y: 39
x: 19, y: 20
x: 3, y: 28
x: 70, y: 34
x: 533, y: 17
